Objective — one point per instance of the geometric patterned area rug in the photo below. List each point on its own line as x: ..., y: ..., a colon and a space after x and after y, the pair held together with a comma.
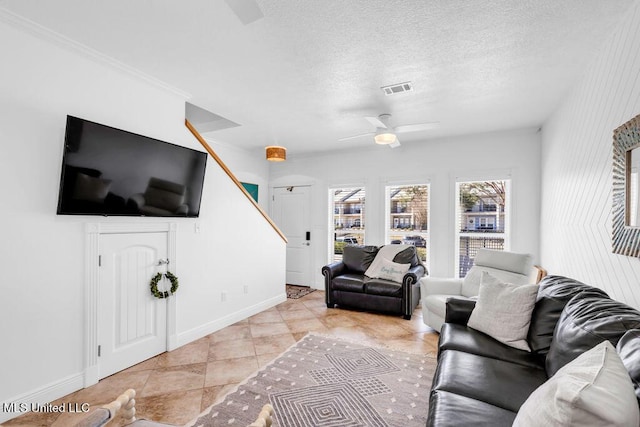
x: 322, y: 381
x: 295, y: 291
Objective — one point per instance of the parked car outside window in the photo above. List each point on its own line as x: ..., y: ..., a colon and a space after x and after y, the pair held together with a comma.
x: 351, y: 240
x: 417, y: 241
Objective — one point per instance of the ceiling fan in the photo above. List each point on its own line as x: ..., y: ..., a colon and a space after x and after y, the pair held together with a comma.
x: 385, y: 134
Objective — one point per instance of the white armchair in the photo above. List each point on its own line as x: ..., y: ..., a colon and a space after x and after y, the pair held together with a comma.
x: 507, y: 266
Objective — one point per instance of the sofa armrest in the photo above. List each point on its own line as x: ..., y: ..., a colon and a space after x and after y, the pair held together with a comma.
x: 411, y: 290
x: 330, y: 271
x: 334, y: 269
x: 413, y: 275
x: 440, y: 286
x: 459, y: 310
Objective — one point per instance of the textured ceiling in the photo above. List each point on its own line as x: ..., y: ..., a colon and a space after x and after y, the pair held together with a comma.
x: 306, y: 73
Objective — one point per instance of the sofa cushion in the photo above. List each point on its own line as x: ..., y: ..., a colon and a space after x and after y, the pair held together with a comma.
x: 629, y: 351
x: 408, y: 255
x: 358, y: 258
x: 348, y: 282
x: 497, y: 382
x: 592, y: 390
x: 585, y: 322
x: 507, y: 266
x: 504, y: 260
x: 463, y: 338
x: 503, y: 311
x: 553, y: 294
x: 453, y: 410
x: 383, y: 287
x: 471, y: 282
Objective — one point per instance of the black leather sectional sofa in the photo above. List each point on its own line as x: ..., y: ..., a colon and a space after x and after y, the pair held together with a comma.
x: 482, y: 382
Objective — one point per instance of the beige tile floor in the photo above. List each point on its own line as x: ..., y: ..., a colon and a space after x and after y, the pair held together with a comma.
x: 174, y: 387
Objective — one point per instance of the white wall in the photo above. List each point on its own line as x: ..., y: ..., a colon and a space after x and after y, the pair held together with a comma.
x: 42, y: 255
x: 577, y: 168
x: 247, y: 166
x: 440, y: 162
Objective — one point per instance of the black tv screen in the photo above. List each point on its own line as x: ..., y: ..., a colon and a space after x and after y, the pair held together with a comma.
x: 108, y: 171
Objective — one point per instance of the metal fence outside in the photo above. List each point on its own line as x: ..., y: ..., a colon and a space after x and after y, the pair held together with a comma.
x: 469, y: 246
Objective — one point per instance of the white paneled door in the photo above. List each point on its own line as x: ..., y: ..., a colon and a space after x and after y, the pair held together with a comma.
x: 132, y: 323
x: 290, y: 211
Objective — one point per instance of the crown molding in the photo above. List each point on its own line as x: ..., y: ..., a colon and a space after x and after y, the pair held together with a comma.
x: 48, y: 35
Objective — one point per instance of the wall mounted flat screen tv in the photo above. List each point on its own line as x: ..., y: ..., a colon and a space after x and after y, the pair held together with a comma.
x: 108, y: 171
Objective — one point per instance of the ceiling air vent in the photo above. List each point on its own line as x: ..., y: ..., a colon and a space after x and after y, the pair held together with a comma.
x: 397, y: 88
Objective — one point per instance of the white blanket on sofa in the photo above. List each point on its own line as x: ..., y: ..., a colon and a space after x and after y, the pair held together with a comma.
x: 385, y: 255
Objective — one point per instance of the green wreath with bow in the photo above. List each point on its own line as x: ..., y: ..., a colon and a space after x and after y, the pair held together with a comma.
x: 164, y: 294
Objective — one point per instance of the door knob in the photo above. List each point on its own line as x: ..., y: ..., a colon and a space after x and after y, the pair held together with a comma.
x: 163, y: 261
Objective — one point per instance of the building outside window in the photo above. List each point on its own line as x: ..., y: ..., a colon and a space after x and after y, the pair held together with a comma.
x: 407, y: 219
x: 348, y: 218
x: 483, y: 219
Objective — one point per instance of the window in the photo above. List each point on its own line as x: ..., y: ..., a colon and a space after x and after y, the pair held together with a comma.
x: 348, y: 220
x: 407, y: 219
x: 483, y: 219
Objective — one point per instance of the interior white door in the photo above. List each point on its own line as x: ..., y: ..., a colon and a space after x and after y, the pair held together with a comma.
x: 132, y: 323
x: 291, y: 213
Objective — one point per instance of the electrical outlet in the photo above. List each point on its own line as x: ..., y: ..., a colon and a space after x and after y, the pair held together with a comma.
x: 196, y: 227
x: 223, y: 296
x: 246, y: 289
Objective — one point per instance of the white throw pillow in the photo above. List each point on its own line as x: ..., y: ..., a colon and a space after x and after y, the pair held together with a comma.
x: 388, y: 270
x: 503, y: 311
x: 592, y: 390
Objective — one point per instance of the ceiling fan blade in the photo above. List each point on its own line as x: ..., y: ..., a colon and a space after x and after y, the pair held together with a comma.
x: 417, y: 127
x: 247, y: 11
x: 356, y: 136
x: 375, y: 121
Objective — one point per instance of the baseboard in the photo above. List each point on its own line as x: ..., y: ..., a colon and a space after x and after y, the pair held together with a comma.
x: 210, y: 327
x: 18, y: 405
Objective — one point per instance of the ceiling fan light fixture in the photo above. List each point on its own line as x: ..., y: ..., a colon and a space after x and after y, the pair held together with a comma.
x: 385, y: 137
x: 276, y: 153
